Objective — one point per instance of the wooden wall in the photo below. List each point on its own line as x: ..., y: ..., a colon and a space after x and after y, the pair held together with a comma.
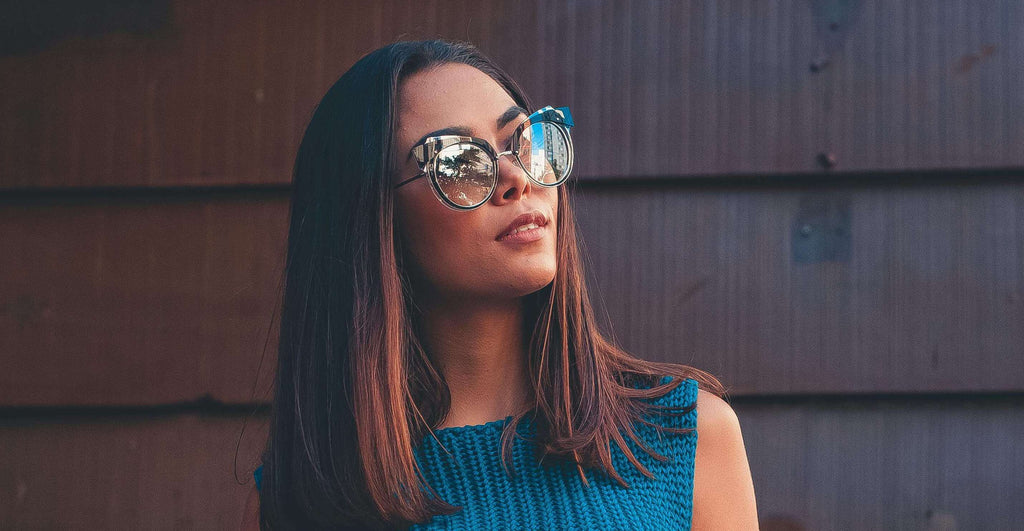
x: 820, y: 202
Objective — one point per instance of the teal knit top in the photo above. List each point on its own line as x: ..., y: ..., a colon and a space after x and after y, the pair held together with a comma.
x: 551, y: 495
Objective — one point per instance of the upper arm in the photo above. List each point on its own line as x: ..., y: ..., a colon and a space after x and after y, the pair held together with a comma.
x: 251, y: 513
x: 723, y: 490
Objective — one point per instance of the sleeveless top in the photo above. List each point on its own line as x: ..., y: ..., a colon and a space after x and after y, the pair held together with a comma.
x: 551, y: 495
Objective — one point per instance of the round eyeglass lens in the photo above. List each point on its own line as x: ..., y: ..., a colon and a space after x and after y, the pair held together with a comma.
x: 464, y: 174
x: 545, y: 152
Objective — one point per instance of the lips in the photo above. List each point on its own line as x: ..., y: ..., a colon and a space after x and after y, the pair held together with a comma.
x: 533, y: 216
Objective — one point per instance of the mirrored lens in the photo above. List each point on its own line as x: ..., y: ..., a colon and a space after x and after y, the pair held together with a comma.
x: 464, y: 174
x: 545, y: 153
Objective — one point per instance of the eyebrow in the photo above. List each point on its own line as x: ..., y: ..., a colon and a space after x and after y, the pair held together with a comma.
x: 510, y: 115
x: 462, y: 130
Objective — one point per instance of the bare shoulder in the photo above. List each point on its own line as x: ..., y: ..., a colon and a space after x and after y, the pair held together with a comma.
x: 723, y: 490
x: 714, y: 412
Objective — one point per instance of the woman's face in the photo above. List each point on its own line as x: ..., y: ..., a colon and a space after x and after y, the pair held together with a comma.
x: 459, y: 253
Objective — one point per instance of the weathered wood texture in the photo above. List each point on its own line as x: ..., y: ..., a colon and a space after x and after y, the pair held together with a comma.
x: 152, y: 300
x: 145, y: 296
x: 220, y: 92
x: 849, y: 288
x: 140, y: 300
x: 127, y: 472
x: 880, y: 464
x: 886, y: 464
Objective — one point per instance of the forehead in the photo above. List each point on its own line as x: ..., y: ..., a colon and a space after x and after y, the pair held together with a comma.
x: 448, y: 95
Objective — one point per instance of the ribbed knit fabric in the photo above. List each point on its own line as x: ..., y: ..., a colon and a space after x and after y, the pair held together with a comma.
x: 551, y: 495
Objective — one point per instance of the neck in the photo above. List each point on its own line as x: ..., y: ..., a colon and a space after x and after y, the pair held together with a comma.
x: 480, y: 348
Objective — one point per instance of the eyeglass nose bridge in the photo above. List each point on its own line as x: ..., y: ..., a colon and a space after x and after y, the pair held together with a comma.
x: 517, y: 162
x: 514, y: 157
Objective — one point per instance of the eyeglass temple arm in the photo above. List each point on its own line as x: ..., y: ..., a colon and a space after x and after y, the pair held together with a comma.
x: 409, y: 180
x: 420, y: 153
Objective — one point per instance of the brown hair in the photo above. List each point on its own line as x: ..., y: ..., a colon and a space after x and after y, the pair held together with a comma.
x: 350, y: 365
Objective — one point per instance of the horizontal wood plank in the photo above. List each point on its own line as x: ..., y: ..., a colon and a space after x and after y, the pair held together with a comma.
x: 886, y: 464
x: 219, y: 93
x: 838, y: 289
x: 135, y: 472
x: 859, y: 464
x: 139, y: 301
x: 846, y: 289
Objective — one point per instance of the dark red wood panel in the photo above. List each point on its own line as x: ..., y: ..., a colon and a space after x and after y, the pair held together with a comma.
x: 843, y: 288
x: 220, y: 93
x: 875, y: 464
x: 886, y: 464
x: 147, y: 301
x: 127, y: 472
x: 129, y: 297
x: 140, y: 300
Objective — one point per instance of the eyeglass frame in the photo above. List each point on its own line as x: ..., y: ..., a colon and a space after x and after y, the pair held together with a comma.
x: 426, y: 152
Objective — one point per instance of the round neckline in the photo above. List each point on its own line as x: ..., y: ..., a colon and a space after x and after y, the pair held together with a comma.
x: 498, y: 423
x: 473, y: 427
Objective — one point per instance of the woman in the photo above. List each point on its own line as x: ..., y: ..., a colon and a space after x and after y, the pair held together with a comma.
x: 439, y: 361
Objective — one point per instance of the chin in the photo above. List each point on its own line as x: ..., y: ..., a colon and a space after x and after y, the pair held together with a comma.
x: 531, y: 282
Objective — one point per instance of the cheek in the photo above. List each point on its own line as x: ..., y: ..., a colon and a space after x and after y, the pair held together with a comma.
x: 434, y: 237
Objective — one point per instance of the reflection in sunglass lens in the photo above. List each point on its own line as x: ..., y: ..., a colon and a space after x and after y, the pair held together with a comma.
x: 544, y: 152
x: 464, y: 174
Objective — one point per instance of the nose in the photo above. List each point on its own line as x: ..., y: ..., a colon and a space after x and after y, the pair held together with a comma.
x: 513, y: 182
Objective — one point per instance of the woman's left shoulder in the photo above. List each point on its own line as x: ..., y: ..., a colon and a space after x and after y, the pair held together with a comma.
x: 716, y: 417
x: 723, y: 488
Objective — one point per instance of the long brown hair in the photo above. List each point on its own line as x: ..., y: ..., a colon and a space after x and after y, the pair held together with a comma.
x: 355, y: 389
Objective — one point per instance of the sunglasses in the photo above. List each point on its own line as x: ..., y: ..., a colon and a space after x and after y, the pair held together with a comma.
x: 463, y: 170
